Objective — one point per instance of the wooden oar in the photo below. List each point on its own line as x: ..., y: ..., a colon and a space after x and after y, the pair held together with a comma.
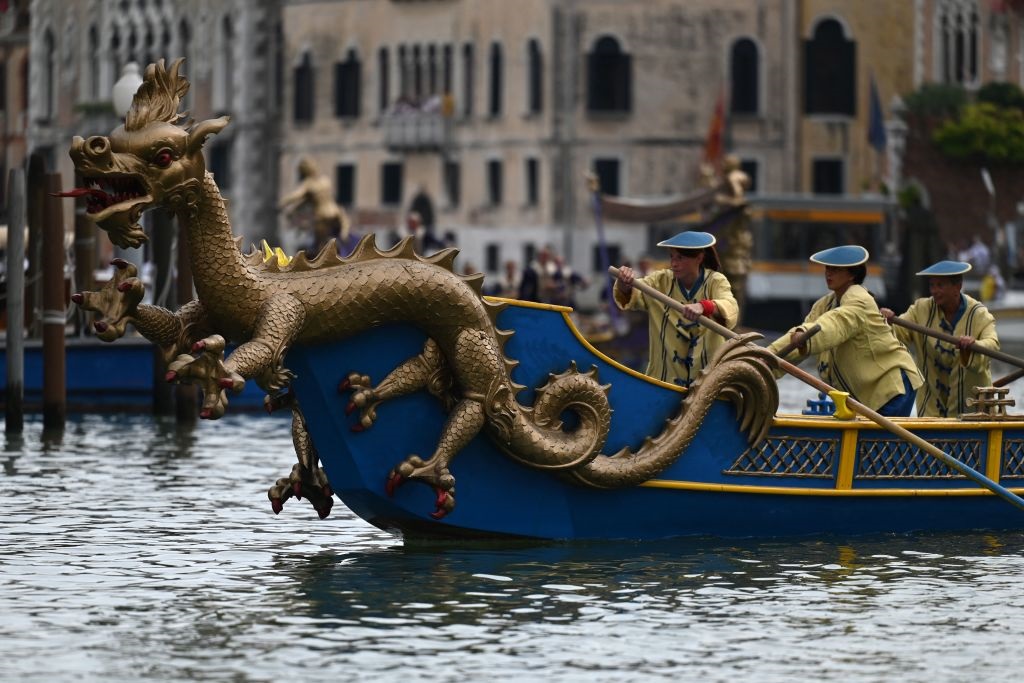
x: 852, y: 403
x: 1013, y: 376
x: 955, y: 341
x: 800, y: 341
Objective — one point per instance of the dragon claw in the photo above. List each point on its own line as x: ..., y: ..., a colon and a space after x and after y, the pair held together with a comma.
x: 312, y: 483
x: 444, y: 504
x: 438, y: 478
x: 394, y: 480
x: 344, y: 385
x: 115, y: 304
x: 208, y: 370
x: 350, y: 408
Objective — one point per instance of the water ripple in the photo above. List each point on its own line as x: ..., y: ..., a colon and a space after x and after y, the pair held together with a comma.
x: 134, y: 548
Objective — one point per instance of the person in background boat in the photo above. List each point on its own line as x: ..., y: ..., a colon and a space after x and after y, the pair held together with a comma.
x: 507, y: 286
x: 978, y: 255
x: 679, y: 346
x: 950, y: 372
x: 329, y: 219
x: 565, y: 283
x: 857, y: 352
x: 537, y: 283
x: 993, y: 286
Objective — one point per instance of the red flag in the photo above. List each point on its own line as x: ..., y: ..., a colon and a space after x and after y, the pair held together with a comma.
x: 713, y: 145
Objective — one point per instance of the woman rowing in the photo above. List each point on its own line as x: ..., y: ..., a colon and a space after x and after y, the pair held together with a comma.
x: 857, y: 352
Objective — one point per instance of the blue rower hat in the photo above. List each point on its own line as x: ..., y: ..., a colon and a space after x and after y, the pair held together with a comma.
x: 944, y: 268
x: 691, y: 239
x: 845, y: 256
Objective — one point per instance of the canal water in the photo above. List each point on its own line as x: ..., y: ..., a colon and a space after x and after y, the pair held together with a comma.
x: 134, y: 549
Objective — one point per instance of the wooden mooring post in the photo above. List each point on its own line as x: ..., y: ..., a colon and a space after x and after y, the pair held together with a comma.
x: 14, y: 413
x: 186, y: 395
x: 54, y: 311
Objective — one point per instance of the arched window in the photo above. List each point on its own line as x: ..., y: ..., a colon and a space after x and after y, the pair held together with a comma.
x: 494, y: 108
x: 535, y: 74
x: 830, y: 71
x: 609, y: 77
x: 383, y: 79
x: 148, y: 43
x: 304, y: 90
x: 432, y: 69
x: 957, y: 27
x: 404, y: 88
x: 468, y: 75
x: 133, y: 46
x: 417, y: 73
x: 347, y: 77
x: 744, y: 70
x: 446, y: 70
x: 115, y: 55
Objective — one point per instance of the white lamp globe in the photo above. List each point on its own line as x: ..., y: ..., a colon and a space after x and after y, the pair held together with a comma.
x: 125, y: 88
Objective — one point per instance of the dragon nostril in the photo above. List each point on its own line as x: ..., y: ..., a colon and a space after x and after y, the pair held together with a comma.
x: 97, y: 144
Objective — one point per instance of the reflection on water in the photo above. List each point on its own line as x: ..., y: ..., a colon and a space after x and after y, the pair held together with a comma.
x: 137, y: 550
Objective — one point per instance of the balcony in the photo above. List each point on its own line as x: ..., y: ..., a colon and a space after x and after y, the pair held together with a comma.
x: 415, y: 130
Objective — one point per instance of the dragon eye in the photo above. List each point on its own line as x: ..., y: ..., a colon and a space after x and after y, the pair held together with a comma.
x: 163, y: 158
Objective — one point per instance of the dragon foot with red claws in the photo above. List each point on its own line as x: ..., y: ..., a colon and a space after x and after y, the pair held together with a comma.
x: 116, y: 303
x: 438, y: 478
x: 364, y: 398
x: 207, y: 370
x: 302, y: 483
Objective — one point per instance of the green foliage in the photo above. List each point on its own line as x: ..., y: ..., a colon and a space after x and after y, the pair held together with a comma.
x: 936, y: 100
x: 984, y: 132
x: 1002, y: 94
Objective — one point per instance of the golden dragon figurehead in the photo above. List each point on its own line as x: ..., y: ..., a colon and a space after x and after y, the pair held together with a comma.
x: 145, y: 162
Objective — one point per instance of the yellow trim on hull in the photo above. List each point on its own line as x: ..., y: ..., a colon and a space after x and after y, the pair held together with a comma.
x: 994, y: 461
x: 912, y: 423
x: 847, y: 460
x: 798, y: 491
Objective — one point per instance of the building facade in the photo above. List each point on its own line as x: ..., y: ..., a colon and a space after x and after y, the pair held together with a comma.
x: 14, y: 68
x: 486, y: 115
x: 78, y: 49
x: 483, y: 116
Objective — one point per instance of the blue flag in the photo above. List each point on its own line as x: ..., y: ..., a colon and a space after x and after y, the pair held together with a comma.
x: 876, y: 126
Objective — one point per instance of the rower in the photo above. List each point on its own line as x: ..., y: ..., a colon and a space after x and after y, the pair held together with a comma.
x: 856, y: 351
x: 951, y: 372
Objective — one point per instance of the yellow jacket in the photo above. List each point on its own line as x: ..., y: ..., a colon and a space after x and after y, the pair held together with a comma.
x: 857, y: 351
x: 680, y: 349
x: 949, y: 376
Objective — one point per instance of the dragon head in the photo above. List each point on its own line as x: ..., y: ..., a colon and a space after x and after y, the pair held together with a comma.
x: 144, y: 162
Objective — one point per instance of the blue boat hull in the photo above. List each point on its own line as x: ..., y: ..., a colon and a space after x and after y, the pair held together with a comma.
x: 102, y: 376
x: 805, y: 479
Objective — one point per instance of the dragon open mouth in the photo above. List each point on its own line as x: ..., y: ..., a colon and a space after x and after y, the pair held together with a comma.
x: 115, y: 204
x: 103, y: 192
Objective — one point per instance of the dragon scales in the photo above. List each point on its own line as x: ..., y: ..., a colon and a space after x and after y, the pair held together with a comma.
x: 266, y: 306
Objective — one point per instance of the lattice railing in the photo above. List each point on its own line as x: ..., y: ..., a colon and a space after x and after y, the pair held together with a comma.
x: 1013, y: 458
x: 893, y: 458
x: 795, y: 457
